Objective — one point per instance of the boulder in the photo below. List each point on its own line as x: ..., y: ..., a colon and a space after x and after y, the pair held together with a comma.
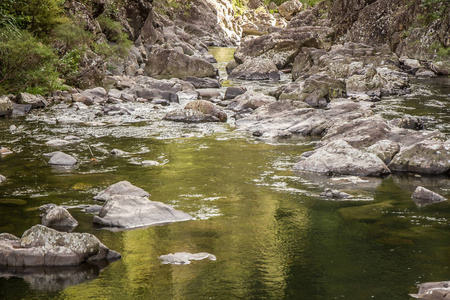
x: 6, y: 106
x: 234, y: 91
x: 256, y: 69
x: 231, y: 66
x: 123, y: 211
x: 385, y: 150
x: 425, y: 157
x: 154, y: 93
x: 43, y: 246
x: 184, y: 258
x: 36, y: 101
x: 118, y: 152
x: 289, y: 9
x: 2, y: 178
x: 62, y: 159
x: 250, y: 100
x: 208, y: 93
x: 189, y: 116
x: 335, y: 194
x: 433, y: 291
x: 149, y: 163
x: 166, y: 64
x: 339, y: 158
x: 58, y: 218
x: 123, y: 188
x: 202, y: 83
x: 207, y: 108
x: 424, y: 197
x: 20, y: 109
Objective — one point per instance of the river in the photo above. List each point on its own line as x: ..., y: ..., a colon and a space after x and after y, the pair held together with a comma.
x: 273, y: 236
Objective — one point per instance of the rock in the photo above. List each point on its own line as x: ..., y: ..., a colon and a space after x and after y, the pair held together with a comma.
x: 207, y: 108
x: 234, y: 91
x: 62, y: 159
x: 208, y: 93
x: 115, y: 110
x: 339, y: 158
x: 57, y: 143
x: 172, y: 64
x: 317, y: 90
x: 410, y: 122
x: 6, y: 106
x: 118, y: 152
x: 289, y: 9
x: 123, y: 211
x: 433, y: 291
x: 2, y: 178
x: 151, y: 94
x: 184, y: 258
x: 148, y: 163
x: 58, y: 218
x: 36, y: 101
x: 20, y: 109
x: 68, y: 120
x: 5, y: 151
x: 190, y: 116
x: 385, y: 150
x: 123, y: 188
x: 202, y: 83
x: 425, y: 157
x: 424, y: 73
x: 251, y: 100
x: 231, y: 66
x: 282, y: 47
x: 424, y: 197
x: 43, y: 246
x: 329, y: 193
x: 256, y: 69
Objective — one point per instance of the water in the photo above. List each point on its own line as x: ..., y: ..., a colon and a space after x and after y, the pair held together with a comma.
x: 273, y: 236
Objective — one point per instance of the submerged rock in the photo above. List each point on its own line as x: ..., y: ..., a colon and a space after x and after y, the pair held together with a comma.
x: 329, y: 193
x: 339, y: 158
x: 132, y: 212
x: 62, y: 159
x: 424, y: 197
x: 124, y: 188
x: 58, y: 218
x: 43, y: 246
x: 184, y: 258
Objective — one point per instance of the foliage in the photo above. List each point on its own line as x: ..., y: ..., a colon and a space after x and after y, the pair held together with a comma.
x: 69, y: 36
x: 113, y: 31
x: 26, y: 64
x: 37, y: 16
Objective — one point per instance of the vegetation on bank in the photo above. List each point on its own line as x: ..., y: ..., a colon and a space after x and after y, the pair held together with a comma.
x: 42, y: 46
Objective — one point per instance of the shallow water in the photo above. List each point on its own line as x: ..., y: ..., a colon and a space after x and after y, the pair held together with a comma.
x: 273, y: 236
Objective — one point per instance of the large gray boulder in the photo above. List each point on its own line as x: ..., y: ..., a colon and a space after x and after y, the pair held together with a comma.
x: 290, y: 8
x: 339, y: 158
x: 198, y: 111
x: 124, y: 188
x: 424, y: 197
x: 256, y: 69
x: 250, y: 100
x: 433, y: 291
x: 36, y: 101
x: 6, y: 106
x: 133, y: 212
x: 58, y: 218
x: 166, y: 64
x: 62, y: 159
x: 43, y: 246
x: 425, y: 157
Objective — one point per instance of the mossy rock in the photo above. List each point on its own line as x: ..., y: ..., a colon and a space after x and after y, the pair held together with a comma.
x: 371, y: 212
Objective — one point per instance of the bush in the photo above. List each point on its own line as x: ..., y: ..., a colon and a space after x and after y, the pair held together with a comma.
x: 69, y: 36
x: 26, y: 64
x: 113, y: 32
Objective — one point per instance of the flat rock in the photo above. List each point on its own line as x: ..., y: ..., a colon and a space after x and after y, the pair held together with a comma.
x: 424, y: 197
x: 184, y: 258
x: 43, y: 246
x: 124, y: 188
x: 339, y: 158
x: 62, y: 159
x: 148, y: 163
x: 203, y: 83
x: 127, y: 212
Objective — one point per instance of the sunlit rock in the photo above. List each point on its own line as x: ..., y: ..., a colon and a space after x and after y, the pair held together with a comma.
x: 184, y: 258
x: 58, y: 218
x: 424, y: 197
x: 433, y: 291
x: 62, y: 159
x: 124, y: 188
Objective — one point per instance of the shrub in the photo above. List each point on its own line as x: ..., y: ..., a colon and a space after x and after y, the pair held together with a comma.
x: 26, y: 64
x: 113, y: 32
x: 69, y: 36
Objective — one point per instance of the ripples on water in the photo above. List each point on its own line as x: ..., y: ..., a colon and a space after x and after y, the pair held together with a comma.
x: 273, y: 235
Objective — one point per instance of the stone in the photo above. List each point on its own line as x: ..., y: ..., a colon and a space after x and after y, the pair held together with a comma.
x: 329, y: 193
x: 385, y: 150
x: 424, y: 197
x: 57, y: 143
x: 234, y: 91
x: 118, y: 152
x: 43, y: 246
x: 6, y: 106
x: 256, y: 69
x: 124, y: 188
x: 426, y: 157
x: 433, y: 291
x: 184, y: 258
x: 58, y: 218
x: 2, y: 178
x: 203, y: 83
x: 21, y: 109
x: 231, y: 66
x: 289, y: 9
x: 62, y: 159
x: 208, y: 93
x: 189, y: 116
x: 339, y: 158
x: 166, y: 64
x: 127, y: 212
x: 36, y: 101
x: 251, y: 100
x: 149, y: 163
x: 5, y: 151
x: 207, y: 108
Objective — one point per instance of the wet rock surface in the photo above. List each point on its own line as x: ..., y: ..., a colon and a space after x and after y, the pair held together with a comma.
x: 184, y: 258
x: 433, y: 290
x: 424, y: 197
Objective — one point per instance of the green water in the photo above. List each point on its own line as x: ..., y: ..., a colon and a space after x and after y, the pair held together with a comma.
x: 273, y: 236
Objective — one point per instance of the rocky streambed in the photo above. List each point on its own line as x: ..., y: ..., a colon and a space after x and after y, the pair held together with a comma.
x: 266, y: 185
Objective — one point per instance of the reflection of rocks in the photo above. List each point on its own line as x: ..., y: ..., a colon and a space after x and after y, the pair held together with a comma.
x: 424, y: 197
x: 433, y: 291
x: 52, y: 279
x: 339, y: 158
x: 121, y: 188
x: 132, y: 212
x: 369, y: 212
x: 43, y: 246
x: 184, y: 258
x: 58, y: 218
